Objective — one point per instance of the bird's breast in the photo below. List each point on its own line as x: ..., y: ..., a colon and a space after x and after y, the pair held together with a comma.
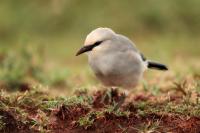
x: 99, y: 64
x: 115, y: 61
x: 117, y: 68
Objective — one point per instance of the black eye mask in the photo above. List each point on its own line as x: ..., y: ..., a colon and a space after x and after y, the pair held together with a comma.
x: 88, y: 48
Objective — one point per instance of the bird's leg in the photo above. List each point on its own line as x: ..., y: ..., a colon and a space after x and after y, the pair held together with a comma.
x: 117, y: 97
x: 108, y: 95
x: 120, y: 102
x: 111, y: 93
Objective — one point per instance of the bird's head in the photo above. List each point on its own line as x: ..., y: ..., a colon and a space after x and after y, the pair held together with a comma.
x: 96, y: 38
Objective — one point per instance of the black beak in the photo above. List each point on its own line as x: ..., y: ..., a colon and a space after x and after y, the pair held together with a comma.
x: 85, y: 49
x: 88, y: 48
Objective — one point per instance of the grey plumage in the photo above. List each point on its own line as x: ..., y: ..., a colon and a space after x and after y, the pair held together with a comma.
x: 115, y: 60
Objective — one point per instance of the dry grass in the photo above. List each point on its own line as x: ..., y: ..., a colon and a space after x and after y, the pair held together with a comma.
x: 152, y: 108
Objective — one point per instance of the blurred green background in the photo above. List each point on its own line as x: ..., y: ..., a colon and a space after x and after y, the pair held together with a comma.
x: 39, y: 38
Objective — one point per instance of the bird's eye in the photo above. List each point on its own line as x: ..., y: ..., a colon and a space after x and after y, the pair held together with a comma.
x: 97, y: 43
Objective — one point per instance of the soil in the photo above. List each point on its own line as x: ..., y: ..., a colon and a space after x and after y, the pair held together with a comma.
x: 65, y: 118
x: 12, y: 125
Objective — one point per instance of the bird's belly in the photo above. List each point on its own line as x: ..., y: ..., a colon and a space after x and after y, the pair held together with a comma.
x: 117, y: 71
x: 127, y: 81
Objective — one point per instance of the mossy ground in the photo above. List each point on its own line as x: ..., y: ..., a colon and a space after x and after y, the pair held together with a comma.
x: 173, y: 108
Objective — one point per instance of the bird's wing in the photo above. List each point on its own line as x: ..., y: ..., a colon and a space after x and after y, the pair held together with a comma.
x: 128, y: 45
x: 143, y: 57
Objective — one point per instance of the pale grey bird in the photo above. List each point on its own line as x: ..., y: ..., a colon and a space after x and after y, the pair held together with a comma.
x: 115, y: 59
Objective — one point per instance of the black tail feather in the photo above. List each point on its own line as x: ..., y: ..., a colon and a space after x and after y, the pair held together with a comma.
x: 155, y: 65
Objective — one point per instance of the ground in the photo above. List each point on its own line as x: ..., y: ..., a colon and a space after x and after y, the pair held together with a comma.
x: 172, y: 108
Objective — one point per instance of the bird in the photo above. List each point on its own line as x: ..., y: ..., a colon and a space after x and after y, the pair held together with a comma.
x: 115, y: 60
